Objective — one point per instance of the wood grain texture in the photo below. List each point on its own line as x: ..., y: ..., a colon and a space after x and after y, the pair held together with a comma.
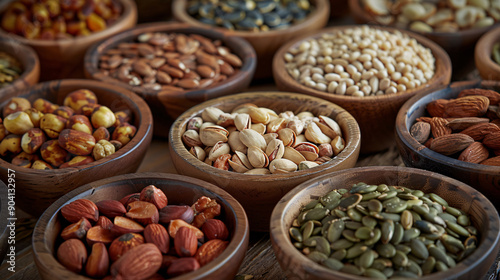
x: 59, y: 58
x: 265, y: 43
x: 482, y: 212
x: 37, y: 189
x: 375, y: 114
x: 485, y: 179
x: 487, y: 67
x: 167, y: 105
x: 259, y: 193
x: 178, y: 189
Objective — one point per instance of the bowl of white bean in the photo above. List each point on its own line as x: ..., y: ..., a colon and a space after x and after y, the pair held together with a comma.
x: 368, y: 70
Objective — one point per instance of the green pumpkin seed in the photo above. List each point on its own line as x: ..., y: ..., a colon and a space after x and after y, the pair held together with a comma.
x: 339, y: 213
x: 388, y: 272
x: 352, y: 269
x: 397, y: 237
x: 411, y: 203
x: 333, y: 264
x: 386, y: 250
x: 441, y: 266
x: 463, y: 220
x: 316, y: 214
x: 349, y: 235
x: 341, y: 244
x: 418, y: 193
x: 438, y: 254
x: 332, y: 204
x: 363, y: 188
x: 373, y: 273
x: 366, y: 259
x: 391, y: 216
x: 391, y: 201
x: 342, y: 191
x: 364, y: 233
x: 438, y: 199
x: 311, y: 241
x: 453, y: 211
x: 382, y: 188
x: 350, y: 201
x: 419, y: 249
x: 403, y: 248
x: 400, y: 259
x: 316, y: 231
x: 298, y: 245
x: 330, y: 197
x: 368, y: 221
x: 311, y: 205
x: 406, y: 219
x: 428, y: 265
x: 407, y: 196
x: 295, y: 234
x: 388, y: 195
x: 434, y: 219
x: 354, y: 214
x: 387, y: 229
x: 416, y: 216
x: 452, y: 244
x: 451, y: 260
x: 405, y: 274
x: 426, y: 227
x: 377, y: 233
x: 362, y: 209
x: 381, y: 263
x: 396, y: 207
x: 448, y: 217
x: 317, y: 257
x: 415, y: 259
x: 353, y: 225
x: 375, y: 206
x: 356, y: 251
x: 420, y: 209
x: 410, y: 234
x: 307, y: 230
x: 339, y: 254
x: 323, y: 246
x: 370, y: 195
x: 470, y: 241
x: 452, y: 233
x: 457, y: 228
x: 472, y: 230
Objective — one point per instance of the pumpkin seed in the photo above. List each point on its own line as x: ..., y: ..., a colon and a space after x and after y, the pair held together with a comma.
x: 387, y: 228
x: 353, y: 225
x: 316, y: 214
x: 438, y: 253
x: 441, y: 266
x: 453, y: 211
x: 354, y: 214
x: 370, y: 195
x: 363, y: 188
x: 356, y: 251
x: 397, y: 237
x: 364, y: 233
x: 463, y: 220
x: 403, y: 248
x: 457, y: 228
x: 428, y: 265
x: 350, y: 201
x: 335, y: 230
x: 373, y: 273
x: 339, y: 254
x: 375, y: 205
x: 349, y: 235
x: 452, y: 244
x: 368, y: 221
x: 382, y: 188
x: 448, y: 217
x: 438, y: 199
x: 388, y: 272
x: 341, y: 244
x: 329, y: 197
x: 307, y: 230
x: 419, y: 249
x: 311, y: 204
x: 391, y: 216
x: 352, y: 269
x: 410, y: 234
x: 405, y: 274
x: 400, y: 259
x: 386, y: 250
x: 317, y: 257
x: 406, y: 219
x: 333, y: 263
x: 381, y: 263
x: 295, y: 234
x: 377, y: 233
x: 396, y: 207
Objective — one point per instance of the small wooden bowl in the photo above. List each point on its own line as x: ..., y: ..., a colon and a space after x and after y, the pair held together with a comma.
x: 29, y: 61
x: 481, y: 211
x: 264, y: 43
x: 37, y: 189
x: 259, y: 193
x: 487, y: 67
x: 61, y: 59
x: 375, y: 114
x: 484, y: 178
x: 167, y: 106
x: 455, y: 43
x: 5, y: 219
x: 178, y: 189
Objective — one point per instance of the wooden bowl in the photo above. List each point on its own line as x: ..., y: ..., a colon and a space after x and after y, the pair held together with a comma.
x: 259, y: 193
x: 29, y: 61
x: 61, y: 59
x: 5, y: 216
x: 37, y: 189
x: 178, y: 189
x: 264, y: 43
x: 481, y: 211
x: 484, y: 178
x: 375, y: 114
x: 167, y: 106
x: 487, y: 67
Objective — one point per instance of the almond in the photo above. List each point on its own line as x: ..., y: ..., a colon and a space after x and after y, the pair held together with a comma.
x: 140, y: 262
x: 80, y: 208
x: 479, y: 131
x: 451, y: 143
x: 123, y: 244
x: 111, y: 208
x: 492, y: 140
x: 76, y: 230
x: 492, y: 95
x: 493, y: 112
x: 467, y: 106
x: 182, y: 266
x: 124, y: 225
x: 173, y: 212
x: 210, y: 250
x: 97, y: 234
x: 158, y: 235
x: 143, y: 212
x: 175, y: 225
x: 104, y: 222
x: 424, y: 119
x: 154, y: 195
x: 475, y: 153
x: 439, y: 127
x: 495, y: 161
x: 72, y: 254
x: 98, y: 262
x: 464, y: 123
x: 215, y: 229
x: 420, y: 131
x: 167, y: 261
x: 436, y: 107
x: 130, y: 198
x: 185, y: 242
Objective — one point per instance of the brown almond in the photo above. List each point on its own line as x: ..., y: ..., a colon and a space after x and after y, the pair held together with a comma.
x: 206, y: 44
x: 493, y: 112
x: 205, y: 71
x: 123, y: 244
x: 173, y: 72
x: 492, y: 95
x: 226, y: 68
x: 130, y: 198
x: 176, y: 63
x: 111, y: 208
x: 467, y: 106
x: 436, y: 107
x: 215, y: 229
x: 104, y: 222
x: 182, y: 266
x: 439, y: 127
x: 146, y: 50
x: 451, y: 143
x: 172, y: 212
x: 157, y: 62
x: 188, y: 83
x: 494, y: 161
x: 185, y: 242
x: 210, y: 250
x: 492, y: 140
x: 154, y: 195
x: 140, y: 262
x: 98, y: 262
x: 72, y: 254
x: 143, y: 212
x: 207, y: 59
x: 479, y: 131
x: 80, y: 208
x: 142, y: 68
x: 158, y: 235
x: 464, y: 123
x: 76, y: 230
x: 98, y: 234
x: 475, y: 153
x: 163, y: 77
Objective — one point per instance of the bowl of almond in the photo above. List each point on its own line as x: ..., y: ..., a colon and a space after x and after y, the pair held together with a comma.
x: 455, y: 131
x: 142, y: 226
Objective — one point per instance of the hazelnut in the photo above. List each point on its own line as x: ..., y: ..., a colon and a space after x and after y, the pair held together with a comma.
x: 52, y: 153
x: 78, y: 98
x: 44, y: 106
x: 101, y: 133
x: 80, y: 123
x: 16, y: 104
x: 77, y: 161
x: 41, y: 165
x: 64, y: 111
x: 88, y: 109
x: 103, y: 116
x: 18, y: 123
x: 103, y: 149
x: 24, y: 159
x: 124, y: 133
x: 52, y: 125
x: 3, y: 131
x: 11, y: 143
x: 122, y: 117
x: 118, y: 145
x: 32, y: 140
x: 76, y: 142
x: 35, y: 116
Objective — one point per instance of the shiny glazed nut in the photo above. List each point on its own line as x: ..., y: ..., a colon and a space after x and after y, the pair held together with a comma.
x: 76, y: 142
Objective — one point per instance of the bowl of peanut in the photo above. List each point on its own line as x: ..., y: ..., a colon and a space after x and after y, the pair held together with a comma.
x: 385, y: 222
x: 61, y: 31
x: 455, y: 131
x: 369, y: 71
x: 173, y: 66
x: 259, y: 145
x: 62, y: 134
x: 142, y: 226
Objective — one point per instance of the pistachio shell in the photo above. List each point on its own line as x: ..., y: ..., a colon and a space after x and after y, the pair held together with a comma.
x: 326, y: 130
x: 243, y: 159
x: 270, y: 136
x: 276, y: 125
x: 259, y: 115
x: 282, y: 165
x: 257, y: 157
x: 238, y: 167
x: 305, y: 115
x: 211, y: 114
x: 220, y: 148
x: 338, y: 145
x: 191, y: 138
x: 275, y: 149
x: 242, y: 121
x: 250, y: 137
x: 331, y: 124
x: 315, y: 135
x: 244, y: 108
x: 212, y: 134
x: 198, y: 153
x: 259, y: 127
x: 293, y: 155
x: 235, y: 142
x: 258, y: 171
x: 296, y: 125
x: 288, y: 136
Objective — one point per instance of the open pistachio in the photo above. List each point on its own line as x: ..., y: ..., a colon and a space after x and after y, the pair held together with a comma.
x: 212, y: 134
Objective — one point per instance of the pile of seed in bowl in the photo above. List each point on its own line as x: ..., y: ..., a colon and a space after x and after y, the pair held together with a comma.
x: 383, y: 231
x: 360, y: 61
x: 10, y: 69
x: 250, y: 15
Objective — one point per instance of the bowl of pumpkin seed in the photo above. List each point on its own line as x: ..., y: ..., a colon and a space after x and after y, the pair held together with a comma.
x: 265, y: 24
x: 385, y: 222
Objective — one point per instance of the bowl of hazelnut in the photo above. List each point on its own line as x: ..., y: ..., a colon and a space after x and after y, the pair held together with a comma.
x: 61, y: 31
x: 259, y: 145
x: 142, y: 226
x: 62, y: 134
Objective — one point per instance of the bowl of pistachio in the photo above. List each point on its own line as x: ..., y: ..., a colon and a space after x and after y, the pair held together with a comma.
x: 487, y: 55
x: 385, y: 222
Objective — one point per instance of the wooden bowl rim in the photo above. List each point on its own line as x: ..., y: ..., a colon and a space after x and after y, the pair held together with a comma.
x: 484, y: 48
x: 144, y: 129
x: 351, y: 147
x: 280, y: 236
x: 129, y: 12
x: 239, y: 241
x: 322, y: 8
x: 28, y: 59
x: 403, y: 130
x: 442, y: 72
x: 246, y: 71
x: 357, y: 10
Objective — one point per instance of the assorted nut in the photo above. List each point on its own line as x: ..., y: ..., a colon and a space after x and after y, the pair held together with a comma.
x: 466, y: 128
x: 257, y: 140
x: 170, y: 62
x: 10, y: 69
x: 434, y: 16
x: 360, y: 61
x: 250, y: 15
x: 383, y: 232
x: 58, y: 19
x: 141, y: 236
x: 44, y: 135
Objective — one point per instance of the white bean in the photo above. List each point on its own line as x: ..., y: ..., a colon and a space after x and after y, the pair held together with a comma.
x: 332, y: 86
x: 332, y: 77
x: 341, y: 88
x: 321, y: 87
x: 374, y: 84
